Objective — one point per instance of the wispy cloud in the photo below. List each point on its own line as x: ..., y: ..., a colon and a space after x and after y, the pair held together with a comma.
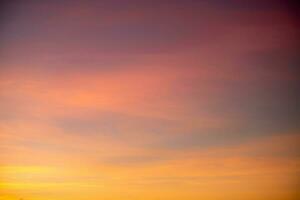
x: 149, y: 100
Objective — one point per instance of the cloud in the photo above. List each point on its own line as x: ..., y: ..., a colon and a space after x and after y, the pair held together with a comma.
x: 130, y: 100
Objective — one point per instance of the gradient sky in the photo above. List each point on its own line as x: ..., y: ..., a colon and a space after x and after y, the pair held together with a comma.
x: 149, y: 100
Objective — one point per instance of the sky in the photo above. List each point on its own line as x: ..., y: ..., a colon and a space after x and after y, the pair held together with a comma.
x: 149, y: 100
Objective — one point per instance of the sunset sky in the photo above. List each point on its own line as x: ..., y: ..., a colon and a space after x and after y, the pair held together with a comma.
x: 149, y: 100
